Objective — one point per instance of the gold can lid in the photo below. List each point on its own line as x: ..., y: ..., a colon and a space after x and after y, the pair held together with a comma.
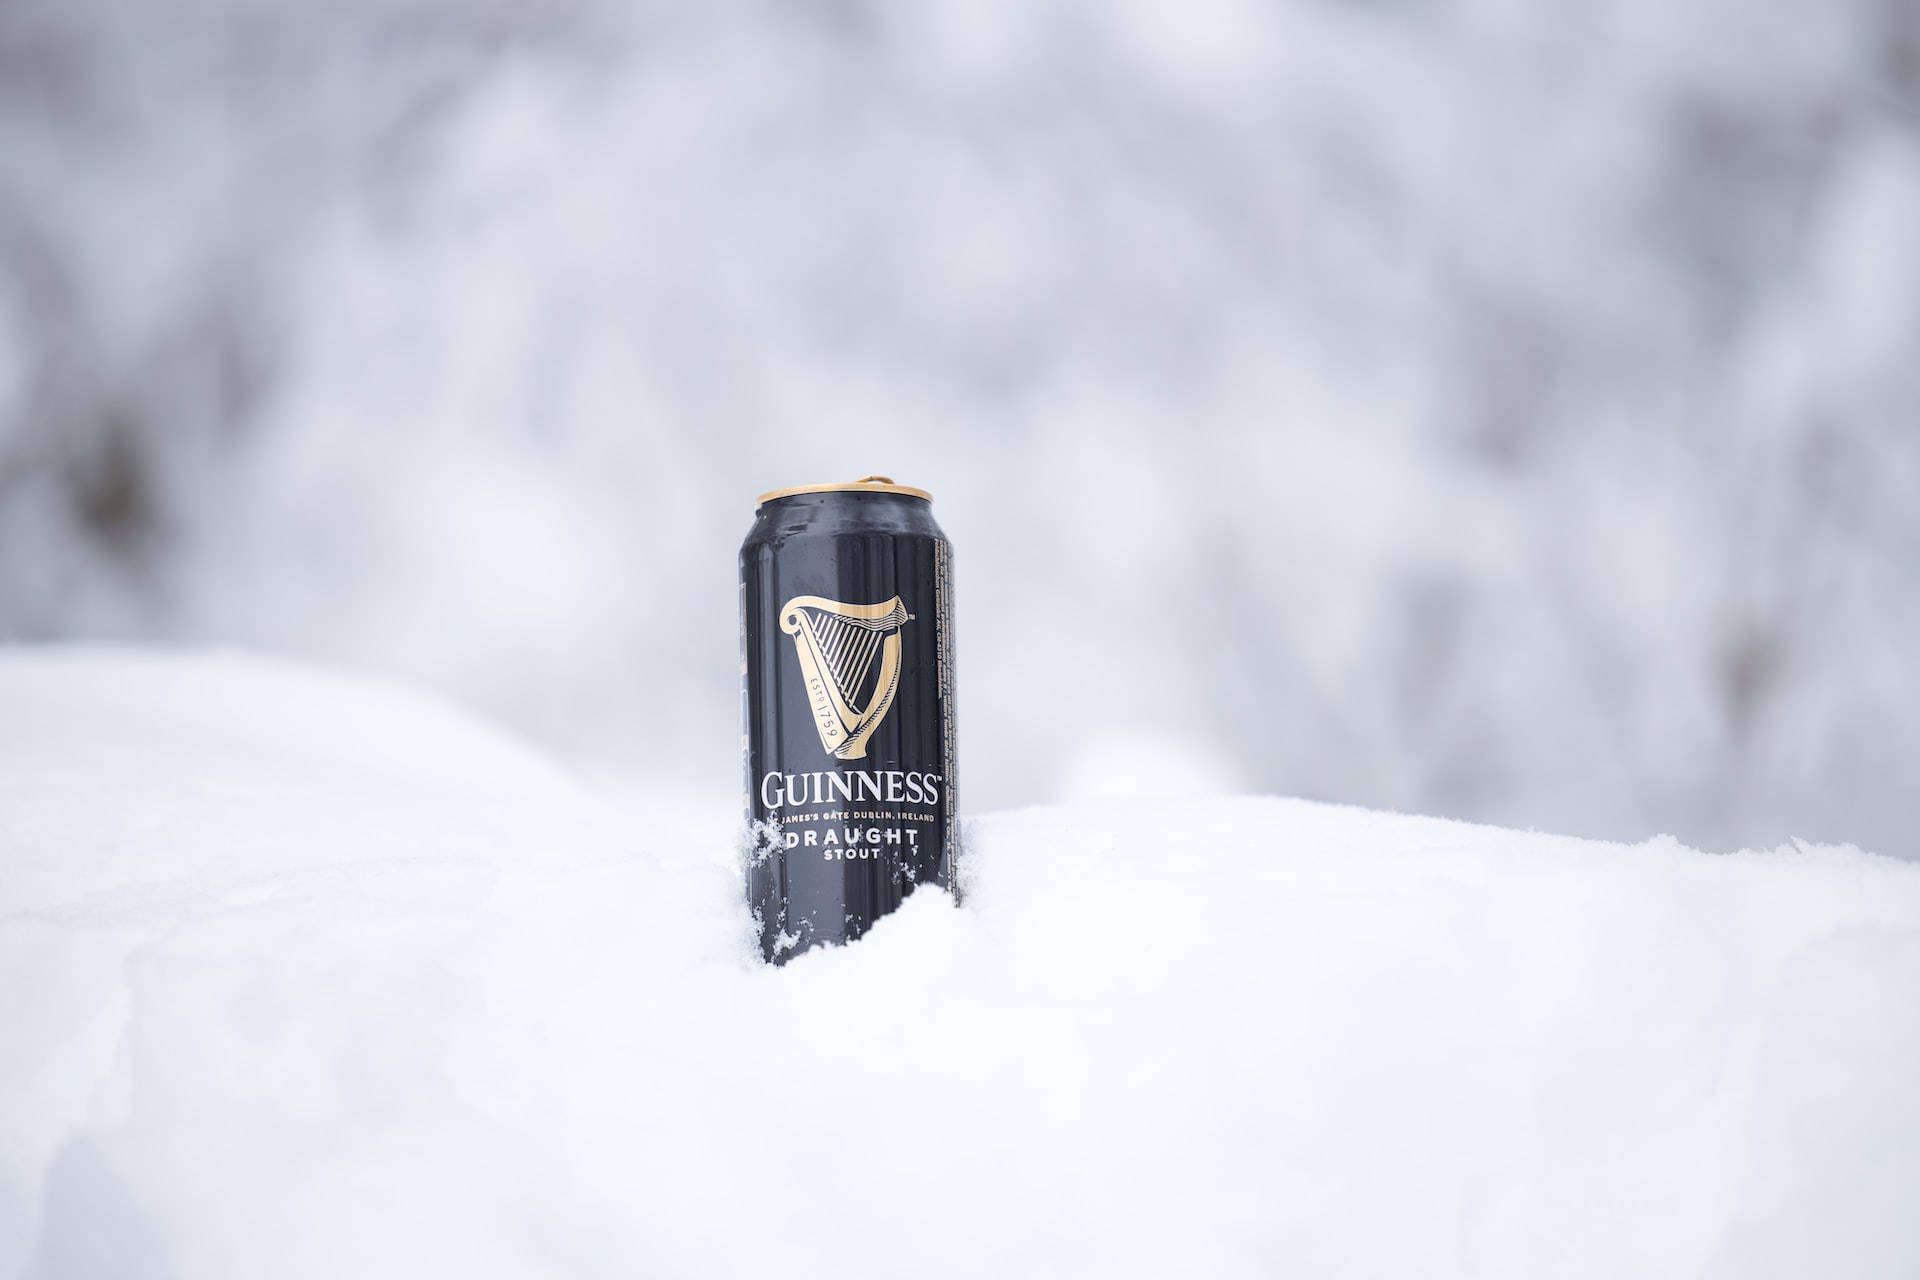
x: 865, y: 484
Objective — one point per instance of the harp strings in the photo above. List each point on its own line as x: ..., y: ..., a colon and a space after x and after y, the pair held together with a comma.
x: 847, y: 647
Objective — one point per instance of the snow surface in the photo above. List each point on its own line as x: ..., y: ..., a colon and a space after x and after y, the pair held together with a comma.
x: 303, y: 975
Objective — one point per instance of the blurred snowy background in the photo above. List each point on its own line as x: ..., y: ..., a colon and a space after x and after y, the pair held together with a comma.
x: 1503, y: 411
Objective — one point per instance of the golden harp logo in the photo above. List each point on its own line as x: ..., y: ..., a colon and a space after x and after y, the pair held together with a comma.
x: 850, y: 655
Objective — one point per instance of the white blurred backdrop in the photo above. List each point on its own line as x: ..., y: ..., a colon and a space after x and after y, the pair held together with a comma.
x: 1507, y: 411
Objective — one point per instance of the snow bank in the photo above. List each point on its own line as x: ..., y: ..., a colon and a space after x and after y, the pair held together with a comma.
x: 308, y: 977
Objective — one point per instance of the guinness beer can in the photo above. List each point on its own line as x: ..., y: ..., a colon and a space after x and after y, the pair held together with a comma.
x: 846, y: 635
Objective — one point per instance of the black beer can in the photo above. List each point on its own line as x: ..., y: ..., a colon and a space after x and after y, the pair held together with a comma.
x: 846, y: 637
